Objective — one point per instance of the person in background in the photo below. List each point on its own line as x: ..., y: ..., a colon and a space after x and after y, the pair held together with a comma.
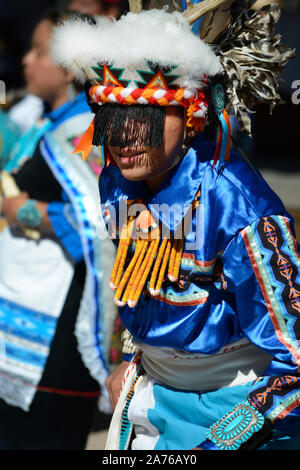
x: 206, y: 275
x: 55, y: 314
x: 89, y: 7
x: 115, y: 8
x: 28, y: 110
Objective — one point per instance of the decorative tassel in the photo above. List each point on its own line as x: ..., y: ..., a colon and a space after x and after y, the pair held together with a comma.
x: 125, y: 245
x: 121, y: 254
x: 179, y: 249
x: 157, y: 264
x: 218, y: 149
x: 172, y: 260
x: 127, y: 274
x: 223, y: 146
x: 134, y: 278
x: 175, y: 259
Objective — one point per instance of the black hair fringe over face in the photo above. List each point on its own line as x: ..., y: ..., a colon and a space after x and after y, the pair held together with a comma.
x: 129, y: 125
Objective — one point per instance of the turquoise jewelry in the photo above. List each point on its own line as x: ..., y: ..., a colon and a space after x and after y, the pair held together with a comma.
x: 218, y: 98
x: 29, y: 215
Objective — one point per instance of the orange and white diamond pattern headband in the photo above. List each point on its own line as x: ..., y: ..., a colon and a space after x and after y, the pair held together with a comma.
x: 196, y: 104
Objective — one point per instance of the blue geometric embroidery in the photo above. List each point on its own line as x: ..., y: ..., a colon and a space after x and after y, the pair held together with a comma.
x: 126, y: 425
x: 25, y: 323
x: 24, y: 356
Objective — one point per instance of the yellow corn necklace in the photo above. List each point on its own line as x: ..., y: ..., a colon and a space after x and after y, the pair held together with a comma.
x: 165, y: 254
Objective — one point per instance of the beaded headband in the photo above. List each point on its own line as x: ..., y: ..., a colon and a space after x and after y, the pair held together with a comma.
x: 125, y: 73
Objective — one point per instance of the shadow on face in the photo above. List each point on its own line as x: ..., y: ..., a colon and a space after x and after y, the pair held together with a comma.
x: 140, y: 162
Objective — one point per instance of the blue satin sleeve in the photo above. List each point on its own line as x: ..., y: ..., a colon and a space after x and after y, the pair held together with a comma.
x: 262, y: 270
x: 65, y: 227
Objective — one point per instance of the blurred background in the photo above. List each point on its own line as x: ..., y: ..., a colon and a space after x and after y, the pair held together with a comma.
x: 274, y: 148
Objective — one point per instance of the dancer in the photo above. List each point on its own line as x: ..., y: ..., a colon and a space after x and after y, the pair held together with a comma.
x: 56, y: 315
x: 206, y: 276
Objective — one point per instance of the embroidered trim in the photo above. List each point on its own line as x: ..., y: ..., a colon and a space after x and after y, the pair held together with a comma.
x: 284, y: 266
x: 126, y: 425
x: 114, y: 433
x: 266, y: 391
x: 196, y: 297
x: 277, y: 308
x: 189, y: 261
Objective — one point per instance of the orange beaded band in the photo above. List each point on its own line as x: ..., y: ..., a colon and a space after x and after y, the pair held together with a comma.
x: 196, y: 104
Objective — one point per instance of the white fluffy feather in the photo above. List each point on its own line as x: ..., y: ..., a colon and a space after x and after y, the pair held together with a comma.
x: 161, y: 37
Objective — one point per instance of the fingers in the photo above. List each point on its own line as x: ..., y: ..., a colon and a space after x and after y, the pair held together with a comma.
x: 108, y: 386
x: 113, y: 383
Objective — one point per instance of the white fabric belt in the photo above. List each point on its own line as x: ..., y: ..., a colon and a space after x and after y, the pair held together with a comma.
x: 235, y: 364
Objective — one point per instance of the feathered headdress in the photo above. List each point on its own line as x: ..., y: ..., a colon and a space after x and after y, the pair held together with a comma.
x: 135, y: 67
x: 153, y: 58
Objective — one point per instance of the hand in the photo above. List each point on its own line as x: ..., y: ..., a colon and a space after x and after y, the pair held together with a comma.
x: 114, y: 381
x: 11, y: 206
